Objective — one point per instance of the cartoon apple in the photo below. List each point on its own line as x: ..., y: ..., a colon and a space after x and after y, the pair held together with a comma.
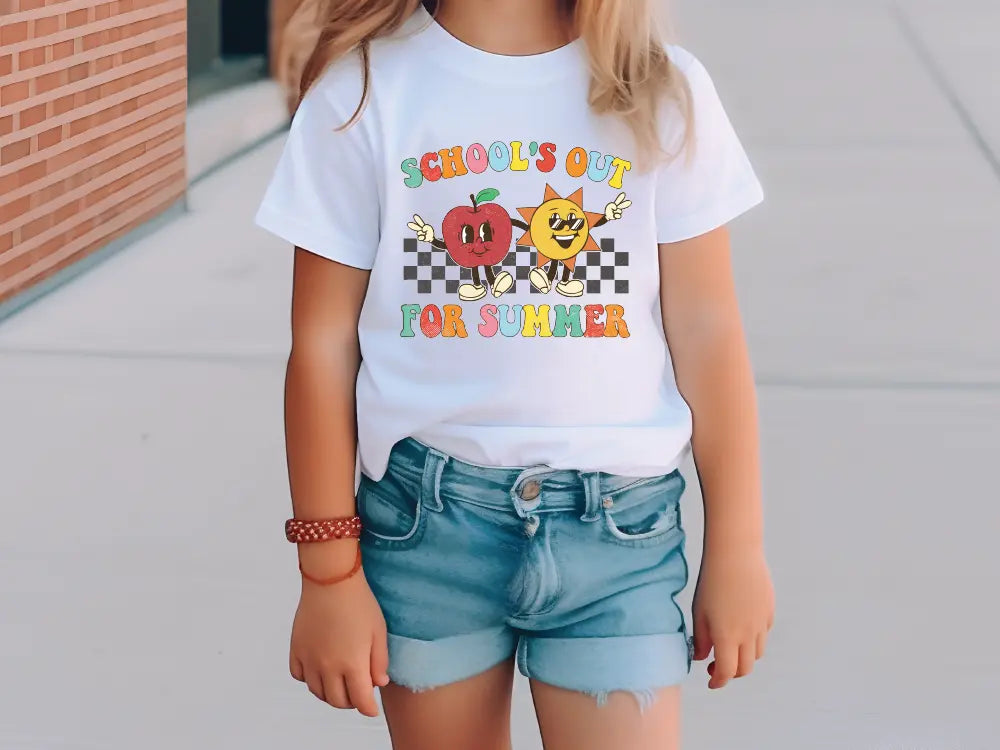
x: 476, y: 236
x: 480, y: 234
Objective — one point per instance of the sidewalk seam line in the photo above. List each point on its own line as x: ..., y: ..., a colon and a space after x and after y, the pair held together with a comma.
x: 937, y: 75
x: 245, y: 150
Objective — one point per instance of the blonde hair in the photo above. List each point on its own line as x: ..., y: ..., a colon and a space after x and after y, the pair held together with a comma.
x: 630, y: 71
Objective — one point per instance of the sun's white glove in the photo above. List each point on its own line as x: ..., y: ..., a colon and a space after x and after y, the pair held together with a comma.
x: 614, y: 209
x: 425, y: 232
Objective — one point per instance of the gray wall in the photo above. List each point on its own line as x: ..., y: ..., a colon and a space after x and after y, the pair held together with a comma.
x: 204, y: 38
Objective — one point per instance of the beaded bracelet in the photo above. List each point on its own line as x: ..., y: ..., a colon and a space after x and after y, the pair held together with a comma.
x: 299, y: 531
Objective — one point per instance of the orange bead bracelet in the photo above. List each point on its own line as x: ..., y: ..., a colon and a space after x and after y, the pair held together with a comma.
x: 298, y: 531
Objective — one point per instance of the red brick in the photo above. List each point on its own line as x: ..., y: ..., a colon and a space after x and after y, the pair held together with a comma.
x: 63, y: 105
x: 49, y: 138
x: 81, y: 229
x: 136, y: 52
x: 102, y: 11
x: 128, y: 107
x: 104, y: 63
x: 54, y: 191
x: 31, y: 116
x: 63, y: 49
x: 45, y: 26
x: 97, y: 39
x: 50, y: 81
x: 14, y: 33
x: 164, y: 137
x: 65, y: 212
x: 15, y: 151
x: 161, y: 92
x: 13, y: 92
x: 79, y: 72
x: 30, y: 58
x: 124, y: 6
x: 36, y: 227
x: 6, y: 125
x: 170, y: 42
x: 6, y: 242
x: 6, y: 64
x: 30, y: 174
x: 14, y: 209
x: 77, y: 18
x: 32, y: 4
x: 79, y: 126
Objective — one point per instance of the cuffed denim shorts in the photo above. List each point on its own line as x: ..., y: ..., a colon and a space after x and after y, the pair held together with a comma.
x: 576, y: 573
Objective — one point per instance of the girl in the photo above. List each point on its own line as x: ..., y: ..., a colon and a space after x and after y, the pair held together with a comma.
x: 519, y: 489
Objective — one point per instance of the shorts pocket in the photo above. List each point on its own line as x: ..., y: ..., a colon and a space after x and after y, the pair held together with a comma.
x: 391, y: 517
x: 646, y: 514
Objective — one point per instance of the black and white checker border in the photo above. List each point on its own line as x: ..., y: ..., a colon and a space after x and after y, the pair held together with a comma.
x: 433, y: 271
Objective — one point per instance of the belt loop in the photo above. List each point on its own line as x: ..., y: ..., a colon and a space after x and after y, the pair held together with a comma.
x: 592, y: 495
x: 430, y: 487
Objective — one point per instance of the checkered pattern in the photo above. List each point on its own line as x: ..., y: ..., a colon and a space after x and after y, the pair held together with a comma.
x: 433, y: 271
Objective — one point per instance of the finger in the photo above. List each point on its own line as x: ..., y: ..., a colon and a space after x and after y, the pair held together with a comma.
x: 727, y: 657
x: 315, y: 682
x: 414, y: 226
x: 702, y: 640
x: 624, y: 204
x: 336, y: 690
x: 761, y: 644
x: 380, y: 660
x: 296, y: 669
x: 418, y: 220
x: 620, y: 198
x: 748, y: 655
x: 361, y: 692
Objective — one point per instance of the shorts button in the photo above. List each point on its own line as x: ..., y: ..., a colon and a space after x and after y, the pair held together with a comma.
x: 530, y: 490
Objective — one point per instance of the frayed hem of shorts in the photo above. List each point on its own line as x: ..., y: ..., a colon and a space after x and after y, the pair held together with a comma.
x: 645, y: 698
x: 414, y: 688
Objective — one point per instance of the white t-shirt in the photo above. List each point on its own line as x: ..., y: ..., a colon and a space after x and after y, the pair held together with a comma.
x: 512, y: 315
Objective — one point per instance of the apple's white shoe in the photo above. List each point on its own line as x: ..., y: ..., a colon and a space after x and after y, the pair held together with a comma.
x: 539, y: 280
x: 471, y: 292
x: 502, y: 283
x: 571, y: 288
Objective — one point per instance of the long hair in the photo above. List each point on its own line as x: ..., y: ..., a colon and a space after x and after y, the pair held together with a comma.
x: 631, y: 74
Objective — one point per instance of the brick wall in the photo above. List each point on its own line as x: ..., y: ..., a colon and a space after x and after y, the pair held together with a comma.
x: 92, y: 107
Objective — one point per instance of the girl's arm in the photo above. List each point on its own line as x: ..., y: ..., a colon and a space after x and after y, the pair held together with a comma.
x: 734, y: 600
x: 338, y: 638
x: 320, y: 418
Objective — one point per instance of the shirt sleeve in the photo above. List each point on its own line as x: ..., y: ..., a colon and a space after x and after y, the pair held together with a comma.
x: 323, y: 196
x: 702, y: 190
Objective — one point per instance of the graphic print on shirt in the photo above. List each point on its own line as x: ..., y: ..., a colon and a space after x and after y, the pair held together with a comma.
x: 475, y: 238
x: 559, y: 229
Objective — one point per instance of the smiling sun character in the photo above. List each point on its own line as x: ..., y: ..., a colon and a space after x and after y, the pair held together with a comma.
x: 559, y: 229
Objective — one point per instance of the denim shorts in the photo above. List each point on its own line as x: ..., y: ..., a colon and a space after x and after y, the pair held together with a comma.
x: 576, y: 573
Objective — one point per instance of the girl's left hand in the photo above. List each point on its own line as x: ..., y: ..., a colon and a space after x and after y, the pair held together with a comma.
x: 733, y: 612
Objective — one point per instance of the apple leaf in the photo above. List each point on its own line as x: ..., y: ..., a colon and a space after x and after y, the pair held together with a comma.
x: 487, y: 194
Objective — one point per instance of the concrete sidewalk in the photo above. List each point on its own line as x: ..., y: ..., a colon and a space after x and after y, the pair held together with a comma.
x: 141, y: 412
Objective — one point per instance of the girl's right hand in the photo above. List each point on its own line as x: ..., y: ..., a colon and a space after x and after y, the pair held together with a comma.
x: 339, y: 644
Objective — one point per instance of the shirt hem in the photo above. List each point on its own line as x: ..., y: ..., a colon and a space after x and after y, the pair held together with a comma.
x: 720, y: 214
x: 292, y: 230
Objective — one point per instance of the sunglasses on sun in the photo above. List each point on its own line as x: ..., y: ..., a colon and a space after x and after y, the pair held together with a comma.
x: 574, y: 222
